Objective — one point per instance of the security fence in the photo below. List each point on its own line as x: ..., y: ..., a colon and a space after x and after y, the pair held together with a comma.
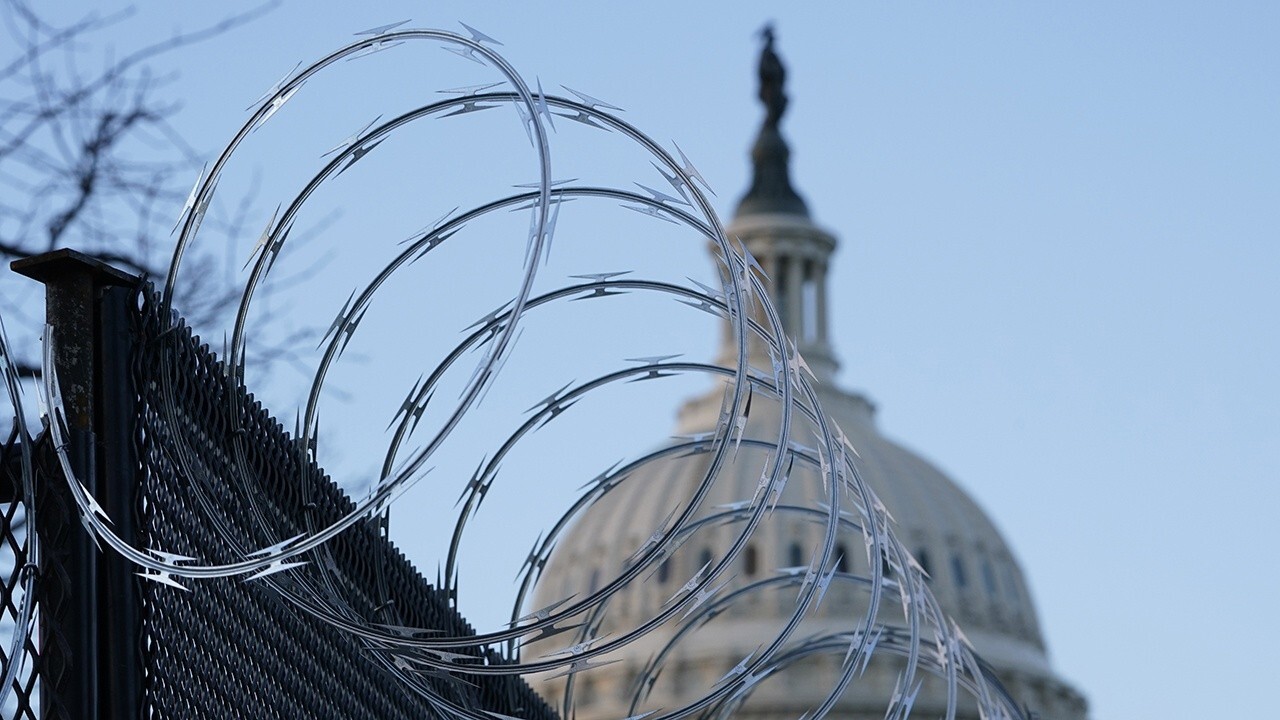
x: 156, y: 425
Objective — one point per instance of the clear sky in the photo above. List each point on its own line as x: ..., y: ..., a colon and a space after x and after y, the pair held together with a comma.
x: 1057, y: 278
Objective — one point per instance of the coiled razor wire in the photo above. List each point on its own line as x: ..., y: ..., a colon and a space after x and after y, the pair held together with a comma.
x: 566, y: 637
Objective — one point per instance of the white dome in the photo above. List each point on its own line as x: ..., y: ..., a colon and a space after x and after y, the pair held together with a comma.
x: 972, y: 573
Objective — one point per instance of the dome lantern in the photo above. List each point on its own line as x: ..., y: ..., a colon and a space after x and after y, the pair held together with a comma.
x: 772, y: 222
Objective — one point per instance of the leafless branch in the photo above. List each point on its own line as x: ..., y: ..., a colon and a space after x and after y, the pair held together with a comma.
x: 89, y: 157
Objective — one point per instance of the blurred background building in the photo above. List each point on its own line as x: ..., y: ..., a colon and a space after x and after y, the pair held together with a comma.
x: 973, y: 572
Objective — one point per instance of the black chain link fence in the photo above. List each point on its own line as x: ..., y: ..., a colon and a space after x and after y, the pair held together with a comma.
x: 220, y: 477
x: 209, y: 474
x: 23, y: 700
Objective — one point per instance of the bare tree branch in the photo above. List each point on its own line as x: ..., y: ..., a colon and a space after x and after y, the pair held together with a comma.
x: 89, y: 156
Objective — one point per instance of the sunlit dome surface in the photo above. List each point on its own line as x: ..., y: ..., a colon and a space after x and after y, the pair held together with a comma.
x: 974, y: 575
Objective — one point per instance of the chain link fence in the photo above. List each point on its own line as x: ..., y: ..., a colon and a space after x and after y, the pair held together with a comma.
x: 186, y: 461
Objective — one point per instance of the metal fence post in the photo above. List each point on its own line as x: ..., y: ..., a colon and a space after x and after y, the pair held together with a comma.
x: 91, y: 603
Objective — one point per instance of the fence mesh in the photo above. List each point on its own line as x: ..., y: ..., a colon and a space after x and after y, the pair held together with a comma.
x: 23, y: 699
x: 231, y: 647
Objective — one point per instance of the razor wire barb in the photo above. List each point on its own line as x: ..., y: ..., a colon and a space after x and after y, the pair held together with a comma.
x: 928, y: 642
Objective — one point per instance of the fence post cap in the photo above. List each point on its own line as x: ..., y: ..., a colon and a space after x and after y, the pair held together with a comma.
x: 64, y: 262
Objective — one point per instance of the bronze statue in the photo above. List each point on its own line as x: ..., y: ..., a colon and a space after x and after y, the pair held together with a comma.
x: 771, y: 189
x: 772, y: 76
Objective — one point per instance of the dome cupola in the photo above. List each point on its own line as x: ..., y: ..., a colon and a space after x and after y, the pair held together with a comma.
x: 972, y: 571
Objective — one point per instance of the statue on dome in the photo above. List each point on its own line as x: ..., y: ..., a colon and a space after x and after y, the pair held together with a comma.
x: 772, y: 77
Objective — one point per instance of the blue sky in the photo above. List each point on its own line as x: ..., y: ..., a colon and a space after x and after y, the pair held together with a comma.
x: 1056, y: 278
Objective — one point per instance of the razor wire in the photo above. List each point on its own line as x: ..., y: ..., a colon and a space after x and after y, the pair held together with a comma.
x: 898, y: 614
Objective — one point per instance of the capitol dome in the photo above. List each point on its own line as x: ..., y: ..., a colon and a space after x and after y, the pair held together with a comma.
x: 972, y: 572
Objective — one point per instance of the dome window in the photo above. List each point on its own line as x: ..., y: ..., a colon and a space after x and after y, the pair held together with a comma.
x: 664, y: 571
x: 989, y: 578
x: 795, y: 555
x: 957, y: 571
x: 750, y: 560
x: 842, y: 559
x: 922, y: 557
x: 704, y: 560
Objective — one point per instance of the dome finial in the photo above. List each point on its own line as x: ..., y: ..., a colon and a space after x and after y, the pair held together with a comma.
x: 771, y: 189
